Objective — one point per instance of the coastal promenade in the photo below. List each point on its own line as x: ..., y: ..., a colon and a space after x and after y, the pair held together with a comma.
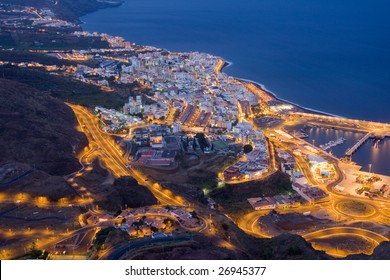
x: 219, y: 66
x: 377, y: 128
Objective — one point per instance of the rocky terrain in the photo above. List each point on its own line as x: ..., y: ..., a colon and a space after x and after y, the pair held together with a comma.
x: 126, y: 193
x: 114, y: 194
x: 382, y: 252
x: 37, y: 129
x: 36, y: 183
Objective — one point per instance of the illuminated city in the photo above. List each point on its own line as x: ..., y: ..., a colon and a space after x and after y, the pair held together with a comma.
x: 162, y: 154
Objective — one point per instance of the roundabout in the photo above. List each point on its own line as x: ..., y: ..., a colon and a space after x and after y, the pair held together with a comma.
x: 355, y: 209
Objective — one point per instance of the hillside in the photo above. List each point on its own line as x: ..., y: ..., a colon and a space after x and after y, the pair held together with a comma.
x: 67, y: 9
x: 32, y: 184
x: 37, y: 129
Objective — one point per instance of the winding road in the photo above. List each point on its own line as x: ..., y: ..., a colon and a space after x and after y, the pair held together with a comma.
x: 345, y: 231
x: 112, y: 157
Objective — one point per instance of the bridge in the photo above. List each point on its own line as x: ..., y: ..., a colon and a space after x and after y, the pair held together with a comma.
x: 353, y: 149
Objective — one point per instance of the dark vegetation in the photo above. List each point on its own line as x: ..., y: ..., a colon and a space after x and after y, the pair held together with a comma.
x: 101, y: 236
x: 233, y: 198
x: 67, y: 9
x: 107, y: 238
x: 124, y: 192
x: 18, y: 56
x: 33, y: 254
x: 286, y: 247
x: 127, y: 193
x: 382, y: 252
x: 39, y: 183
x: 19, y: 39
x: 202, y: 178
x: 202, y: 140
x: 65, y: 88
x: 37, y: 129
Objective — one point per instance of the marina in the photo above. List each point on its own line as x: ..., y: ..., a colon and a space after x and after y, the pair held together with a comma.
x: 365, y: 150
x: 332, y: 144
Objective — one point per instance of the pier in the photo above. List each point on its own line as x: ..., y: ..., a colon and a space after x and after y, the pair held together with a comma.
x: 350, y: 151
x: 353, y: 149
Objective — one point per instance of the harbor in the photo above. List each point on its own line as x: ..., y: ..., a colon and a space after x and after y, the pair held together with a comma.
x: 332, y: 143
x: 361, y: 148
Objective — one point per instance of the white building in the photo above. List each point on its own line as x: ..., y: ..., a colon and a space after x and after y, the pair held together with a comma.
x: 320, y: 165
x: 317, y: 162
x: 262, y: 203
x: 138, y: 100
x: 229, y: 125
x: 176, y: 128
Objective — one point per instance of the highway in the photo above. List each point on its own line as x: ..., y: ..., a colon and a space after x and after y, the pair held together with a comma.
x: 102, y: 145
x: 111, y: 155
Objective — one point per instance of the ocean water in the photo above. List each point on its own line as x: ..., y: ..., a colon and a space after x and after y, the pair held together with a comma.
x: 329, y: 55
x: 332, y: 56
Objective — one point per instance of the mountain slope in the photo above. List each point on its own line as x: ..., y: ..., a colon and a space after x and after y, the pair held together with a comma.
x: 37, y: 129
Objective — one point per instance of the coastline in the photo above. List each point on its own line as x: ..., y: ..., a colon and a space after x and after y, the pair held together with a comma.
x: 304, y: 91
x: 227, y: 63
x: 71, y: 11
x: 262, y: 87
